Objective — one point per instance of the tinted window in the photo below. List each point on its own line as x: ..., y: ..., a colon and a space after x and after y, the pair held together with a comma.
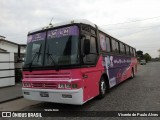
x: 34, y: 51
x: 93, y: 48
x: 115, y: 46
x: 127, y: 50
x: 62, y: 51
x: 134, y: 52
x: 108, y: 44
x: 122, y: 48
x: 131, y: 51
x: 92, y: 56
x: 102, y: 38
x: 93, y: 31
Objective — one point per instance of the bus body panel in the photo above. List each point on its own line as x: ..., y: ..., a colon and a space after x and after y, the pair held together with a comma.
x: 91, y: 77
x: 119, y: 68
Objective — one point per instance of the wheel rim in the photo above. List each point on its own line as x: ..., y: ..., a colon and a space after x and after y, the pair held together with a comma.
x: 103, y: 87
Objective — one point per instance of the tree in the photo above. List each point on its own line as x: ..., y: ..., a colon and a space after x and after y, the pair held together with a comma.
x: 147, y: 57
x: 140, y: 54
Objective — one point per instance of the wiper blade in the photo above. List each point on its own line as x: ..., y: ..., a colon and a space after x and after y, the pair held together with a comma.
x: 50, y: 56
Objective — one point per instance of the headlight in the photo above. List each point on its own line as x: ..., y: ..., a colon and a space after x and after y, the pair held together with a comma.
x: 74, y: 86
x: 61, y: 85
x: 26, y: 85
x: 67, y: 85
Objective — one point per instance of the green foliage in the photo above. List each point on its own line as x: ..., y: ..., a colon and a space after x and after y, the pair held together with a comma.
x: 140, y: 54
x: 147, y: 57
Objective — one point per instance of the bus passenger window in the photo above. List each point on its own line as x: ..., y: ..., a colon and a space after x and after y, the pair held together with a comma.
x: 134, y: 52
x: 93, y: 47
x: 115, y: 46
x: 131, y: 51
x: 122, y: 48
x: 108, y: 47
x: 127, y: 50
x: 92, y: 56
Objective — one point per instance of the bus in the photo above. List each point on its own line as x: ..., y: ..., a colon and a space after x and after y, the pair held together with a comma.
x: 73, y: 62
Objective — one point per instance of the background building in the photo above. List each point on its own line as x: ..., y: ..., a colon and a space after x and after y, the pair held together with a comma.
x: 11, y: 56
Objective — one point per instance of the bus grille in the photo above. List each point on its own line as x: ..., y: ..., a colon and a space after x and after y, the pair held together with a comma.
x: 44, y: 85
x: 48, y: 75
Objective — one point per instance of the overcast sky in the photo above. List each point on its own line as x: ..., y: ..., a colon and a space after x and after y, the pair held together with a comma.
x: 135, y: 22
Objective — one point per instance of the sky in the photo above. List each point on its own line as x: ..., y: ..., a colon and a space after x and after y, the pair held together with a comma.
x: 135, y: 22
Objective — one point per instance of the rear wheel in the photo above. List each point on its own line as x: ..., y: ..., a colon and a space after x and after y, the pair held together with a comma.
x: 132, y: 74
x: 102, y: 88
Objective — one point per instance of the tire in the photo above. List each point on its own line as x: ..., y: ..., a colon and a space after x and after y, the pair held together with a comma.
x: 102, y: 88
x: 132, y: 74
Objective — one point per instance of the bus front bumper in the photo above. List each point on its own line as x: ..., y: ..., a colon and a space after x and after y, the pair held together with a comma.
x: 53, y: 95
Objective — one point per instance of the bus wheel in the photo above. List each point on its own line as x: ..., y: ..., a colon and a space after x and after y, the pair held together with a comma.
x: 132, y: 75
x: 102, y: 88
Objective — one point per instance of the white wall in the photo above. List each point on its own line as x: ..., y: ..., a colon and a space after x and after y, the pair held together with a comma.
x: 10, y: 47
x: 7, y: 72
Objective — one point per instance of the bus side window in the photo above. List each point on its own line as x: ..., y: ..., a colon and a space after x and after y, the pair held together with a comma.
x: 93, y: 45
x: 130, y: 49
x: 127, y: 50
x: 122, y: 48
x: 92, y: 56
x: 134, y: 52
x: 115, y: 46
x: 108, y: 43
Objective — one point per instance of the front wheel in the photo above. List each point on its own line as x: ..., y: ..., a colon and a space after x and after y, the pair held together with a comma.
x: 102, y: 88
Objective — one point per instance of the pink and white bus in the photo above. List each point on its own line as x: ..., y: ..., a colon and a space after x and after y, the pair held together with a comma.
x: 74, y: 62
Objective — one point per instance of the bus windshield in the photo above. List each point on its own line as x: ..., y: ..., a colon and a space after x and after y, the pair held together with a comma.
x: 57, y: 47
x: 62, y: 51
x: 34, y: 51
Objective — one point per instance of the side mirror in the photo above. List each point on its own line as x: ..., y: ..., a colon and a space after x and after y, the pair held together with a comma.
x: 86, y: 46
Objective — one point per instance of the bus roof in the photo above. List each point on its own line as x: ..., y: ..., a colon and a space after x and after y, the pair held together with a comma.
x: 67, y: 23
x: 83, y: 21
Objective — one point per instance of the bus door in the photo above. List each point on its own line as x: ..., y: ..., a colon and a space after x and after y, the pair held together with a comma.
x: 89, y: 71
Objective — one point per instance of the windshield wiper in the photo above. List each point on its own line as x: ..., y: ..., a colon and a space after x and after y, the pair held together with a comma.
x: 50, y: 56
x: 37, y: 54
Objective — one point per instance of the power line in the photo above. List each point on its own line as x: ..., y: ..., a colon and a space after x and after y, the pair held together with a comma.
x: 131, y: 21
x: 134, y: 27
x: 139, y: 31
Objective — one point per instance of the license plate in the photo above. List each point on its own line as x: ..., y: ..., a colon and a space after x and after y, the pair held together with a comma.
x: 44, y: 94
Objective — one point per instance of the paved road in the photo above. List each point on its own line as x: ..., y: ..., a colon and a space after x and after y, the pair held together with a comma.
x: 139, y: 94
